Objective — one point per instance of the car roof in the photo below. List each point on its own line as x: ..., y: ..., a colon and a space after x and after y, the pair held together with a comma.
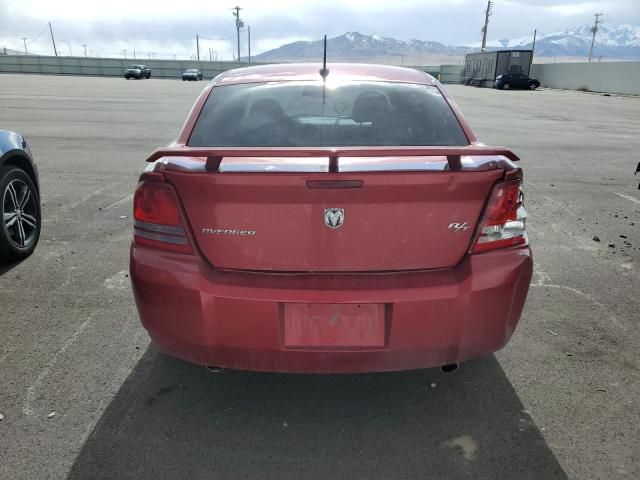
x: 311, y: 71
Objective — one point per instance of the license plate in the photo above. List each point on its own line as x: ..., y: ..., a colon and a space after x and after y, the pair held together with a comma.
x: 334, y: 325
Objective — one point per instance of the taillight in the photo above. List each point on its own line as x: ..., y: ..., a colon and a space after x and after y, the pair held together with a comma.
x: 503, y: 222
x: 157, y: 219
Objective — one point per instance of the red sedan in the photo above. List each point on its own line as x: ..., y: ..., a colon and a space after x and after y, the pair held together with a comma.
x: 344, y: 222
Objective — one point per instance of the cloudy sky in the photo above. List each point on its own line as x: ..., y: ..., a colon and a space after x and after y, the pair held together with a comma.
x: 169, y: 27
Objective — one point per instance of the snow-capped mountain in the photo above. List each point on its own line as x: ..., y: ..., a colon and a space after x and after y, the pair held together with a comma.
x: 358, y: 46
x: 621, y: 42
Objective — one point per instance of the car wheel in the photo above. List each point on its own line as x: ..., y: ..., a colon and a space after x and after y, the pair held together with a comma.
x: 148, y: 75
x: 126, y: 77
x: 506, y: 86
x: 533, y: 86
x: 20, y: 206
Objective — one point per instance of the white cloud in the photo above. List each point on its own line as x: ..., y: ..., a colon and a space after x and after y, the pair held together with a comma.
x: 168, y: 27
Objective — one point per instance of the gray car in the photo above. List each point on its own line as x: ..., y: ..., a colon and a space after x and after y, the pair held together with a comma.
x: 191, y: 74
x: 19, y: 198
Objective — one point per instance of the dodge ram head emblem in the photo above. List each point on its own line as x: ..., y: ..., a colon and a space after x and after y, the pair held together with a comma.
x: 334, y: 217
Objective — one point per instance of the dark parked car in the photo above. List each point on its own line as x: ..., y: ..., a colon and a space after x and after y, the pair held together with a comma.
x: 19, y: 198
x: 191, y: 74
x: 515, y: 80
x: 137, y: 71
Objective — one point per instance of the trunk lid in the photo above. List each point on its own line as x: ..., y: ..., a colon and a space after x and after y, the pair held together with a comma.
x: 354, y: 214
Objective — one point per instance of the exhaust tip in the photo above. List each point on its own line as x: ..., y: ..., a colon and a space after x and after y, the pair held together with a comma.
x: 449, y: 368
x: 214, y: 368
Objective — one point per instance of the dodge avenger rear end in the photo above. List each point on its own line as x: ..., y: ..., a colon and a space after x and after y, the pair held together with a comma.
x: 344, y: 222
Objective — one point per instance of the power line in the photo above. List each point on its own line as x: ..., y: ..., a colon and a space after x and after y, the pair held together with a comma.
x: 487, y: 14
x: 217, y: 39
x: 594, y: 30
x: 39, y: 35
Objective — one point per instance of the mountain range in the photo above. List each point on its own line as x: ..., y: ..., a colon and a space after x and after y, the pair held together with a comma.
x: 612, y: 42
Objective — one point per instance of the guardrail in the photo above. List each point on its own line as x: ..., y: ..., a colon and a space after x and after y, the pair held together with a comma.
x: 108, y: 67
x: 607, y: 77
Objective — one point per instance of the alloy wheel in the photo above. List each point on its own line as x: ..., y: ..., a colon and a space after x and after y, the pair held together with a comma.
x: 19, y: 213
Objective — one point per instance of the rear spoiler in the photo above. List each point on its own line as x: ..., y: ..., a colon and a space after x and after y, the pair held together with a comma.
x: 214, y: 156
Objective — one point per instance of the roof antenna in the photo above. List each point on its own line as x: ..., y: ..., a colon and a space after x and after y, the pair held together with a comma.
x: 324, y: 71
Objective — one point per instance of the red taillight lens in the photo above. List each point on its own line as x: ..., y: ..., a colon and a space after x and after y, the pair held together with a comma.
x: 157, y: 219
x: 503, y: 223
x: 156, y: 202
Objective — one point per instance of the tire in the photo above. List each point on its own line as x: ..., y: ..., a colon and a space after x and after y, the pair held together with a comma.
x: 19, y: 233
x: 126, y: 77
x: 148, y: 75
x: 506, y: 86
x: 533, y: 86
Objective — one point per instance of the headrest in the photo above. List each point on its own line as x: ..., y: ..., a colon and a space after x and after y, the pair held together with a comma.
x: 370, y: 107
x: 267, y: 108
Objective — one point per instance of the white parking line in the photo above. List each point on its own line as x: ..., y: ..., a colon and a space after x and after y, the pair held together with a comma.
x: 628, y: 197
x: 128, y: 197
x: 561, y: 206
x: 27, y: 406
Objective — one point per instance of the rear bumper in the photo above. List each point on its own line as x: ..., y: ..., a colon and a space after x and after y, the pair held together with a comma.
x: 235, y: 320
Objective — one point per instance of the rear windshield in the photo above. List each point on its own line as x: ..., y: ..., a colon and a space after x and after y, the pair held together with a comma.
x: 308, y: 114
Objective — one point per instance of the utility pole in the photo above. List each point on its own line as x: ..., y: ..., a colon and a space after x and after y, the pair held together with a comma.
x: 594, y: 30
x: 239, y: 25
x: 249, y: 34
x: 487, y: 14
x: 533, y: 47
x: 24, y: 40
x: 198, y: 46
x: 52, y: 40
x: 209, y: 53
x: 134, y: 53
x: 85, y: 49
x: 125, y: 53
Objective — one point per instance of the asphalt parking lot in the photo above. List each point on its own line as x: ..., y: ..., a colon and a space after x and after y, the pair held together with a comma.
x: 560, y: 401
